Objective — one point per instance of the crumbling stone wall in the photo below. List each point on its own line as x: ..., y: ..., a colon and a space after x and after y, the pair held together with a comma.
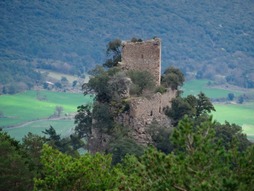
x: 143, y: 111
x: 143, y: 56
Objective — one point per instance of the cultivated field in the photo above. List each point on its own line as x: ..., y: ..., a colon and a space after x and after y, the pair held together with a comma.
x: 63, y: 127
x: 31, y: 110
x: 241, y: 114
x: 194, y: 87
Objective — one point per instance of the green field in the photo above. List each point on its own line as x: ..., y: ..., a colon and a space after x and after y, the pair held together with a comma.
x: 194, y: 87
x: 26, y: 107
x: 62, y: 127
x: 240, y: 114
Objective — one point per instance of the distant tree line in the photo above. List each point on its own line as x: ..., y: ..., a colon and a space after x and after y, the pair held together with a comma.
x: 18, y: 77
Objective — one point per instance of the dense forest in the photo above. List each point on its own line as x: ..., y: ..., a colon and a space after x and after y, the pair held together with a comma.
x: 212, y: 40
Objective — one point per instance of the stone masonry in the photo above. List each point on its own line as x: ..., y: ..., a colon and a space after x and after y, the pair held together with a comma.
x: 142, y: 56
x: 146, y: 56
x: 143, y: 111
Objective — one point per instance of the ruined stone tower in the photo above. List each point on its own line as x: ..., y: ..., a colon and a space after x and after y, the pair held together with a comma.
x: 145, y: 56
x: 142, y: 56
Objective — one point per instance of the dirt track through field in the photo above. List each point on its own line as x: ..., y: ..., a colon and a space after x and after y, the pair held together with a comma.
x: 34, y: 121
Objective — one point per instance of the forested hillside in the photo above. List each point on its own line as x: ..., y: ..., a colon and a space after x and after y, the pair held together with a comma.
x: 208, y: 39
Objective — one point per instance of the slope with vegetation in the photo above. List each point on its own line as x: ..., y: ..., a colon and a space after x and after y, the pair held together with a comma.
x: 208, y: 39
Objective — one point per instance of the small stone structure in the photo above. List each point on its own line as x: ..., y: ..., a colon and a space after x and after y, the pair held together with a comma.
x: 142, y: 56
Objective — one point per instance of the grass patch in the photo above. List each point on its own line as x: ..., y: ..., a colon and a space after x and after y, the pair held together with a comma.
x: 194, y: 87
x: 249, y: 130
x: 25, y: 106
x: 62, y: 127
x: 240, y: 114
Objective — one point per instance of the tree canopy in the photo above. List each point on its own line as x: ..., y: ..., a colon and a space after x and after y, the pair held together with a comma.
x: 172, y: 78
x: 198, y: 162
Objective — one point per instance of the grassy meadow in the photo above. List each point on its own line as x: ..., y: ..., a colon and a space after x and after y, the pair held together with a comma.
x: 240, y: 114
x: 194, y: 87
x: 26, y: 107
x: 63, y: 127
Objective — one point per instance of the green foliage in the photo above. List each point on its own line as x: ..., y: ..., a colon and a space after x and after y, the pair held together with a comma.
x: 110, y: 87
x: 203, y: 157
x: 88, y: 172
x: 121, y: 146
x: 204, y: 105
x: 161, y: 89
x: 31, y: 147
x: 190, y: 106
x: 51, y: 132
x: 14, y: 168
x: 160, y: 137
x: 198, y: 162
x: 142, y: 80
x: 68, y: 145
x: 99, y: 84
x: 83, y: 119
x: 103, y: 117
x: 228, y: 133
x: 58, y: 111
x: 172, y: 78
x: 18, y: 77
x: 231, y: 96
x: 113, y: 51
x: 53, y: 137
x: 179, y: 108
x: 240, y: 99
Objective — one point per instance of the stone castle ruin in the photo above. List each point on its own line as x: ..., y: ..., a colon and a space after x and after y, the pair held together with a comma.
x: 143, y: 56
x: 142, y: 111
